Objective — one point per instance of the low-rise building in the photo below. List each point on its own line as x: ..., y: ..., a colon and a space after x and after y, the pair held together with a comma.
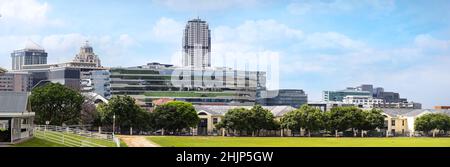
x: 212, y: 115
x: 16, y: 118
x: 400, y: 122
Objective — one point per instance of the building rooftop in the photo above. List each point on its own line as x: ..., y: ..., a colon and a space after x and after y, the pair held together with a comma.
x: 13, y: 102
x: 412, y: 112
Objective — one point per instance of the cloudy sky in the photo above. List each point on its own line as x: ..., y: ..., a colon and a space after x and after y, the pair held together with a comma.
x: 403, y: 46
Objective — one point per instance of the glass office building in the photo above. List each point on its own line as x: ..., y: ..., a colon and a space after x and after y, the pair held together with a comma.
x: 211, y: 86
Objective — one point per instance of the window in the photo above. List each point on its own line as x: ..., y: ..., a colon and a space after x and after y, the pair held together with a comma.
x: 215, y: 120
x: 403, y: 122
x: 393, y: 122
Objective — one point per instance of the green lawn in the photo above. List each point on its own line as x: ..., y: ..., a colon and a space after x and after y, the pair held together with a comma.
x: 189, y: 141
x: 35, y: 142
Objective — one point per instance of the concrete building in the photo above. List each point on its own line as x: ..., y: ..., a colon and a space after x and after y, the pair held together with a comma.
x: 284, y: 97
x: 206, y: 86
x: 16, y: 118
x: 31, y: 54
x: 211, y: 115
x: 375, y: 95
x: 15, y: 81
x: 362, y: 101
x: 197, y: 44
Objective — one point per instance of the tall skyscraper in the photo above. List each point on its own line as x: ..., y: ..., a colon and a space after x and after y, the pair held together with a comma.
x: 32, y: 54
x: 197, y: 44
x: 87, y: 55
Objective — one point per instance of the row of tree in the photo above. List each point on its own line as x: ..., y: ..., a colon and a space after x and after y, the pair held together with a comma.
x: 305, y: 118
x: 60, y: 105
x: 241, y: 120
x: 63, y: 106
x: 433, y: 122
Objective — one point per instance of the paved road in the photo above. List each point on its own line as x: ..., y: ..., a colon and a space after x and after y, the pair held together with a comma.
x: 137, y: 141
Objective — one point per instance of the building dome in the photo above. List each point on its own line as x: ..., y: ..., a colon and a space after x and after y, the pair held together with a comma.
x: 87, y: 55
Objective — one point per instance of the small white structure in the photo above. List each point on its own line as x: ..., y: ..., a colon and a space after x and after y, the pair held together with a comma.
x: 16, y: 118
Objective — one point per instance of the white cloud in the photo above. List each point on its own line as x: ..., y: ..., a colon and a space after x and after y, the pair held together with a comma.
x: 332, y: 40
x: 25, y: 10
x: 426, y: 41
x: 31, y: 12
x: 167, y: 30
x: 207, y: 5
x: 301, y: 7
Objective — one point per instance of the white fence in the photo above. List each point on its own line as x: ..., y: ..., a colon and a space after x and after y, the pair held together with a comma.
x: 74, y: 137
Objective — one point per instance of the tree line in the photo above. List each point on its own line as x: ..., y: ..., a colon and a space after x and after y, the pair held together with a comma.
x: 63, y: 106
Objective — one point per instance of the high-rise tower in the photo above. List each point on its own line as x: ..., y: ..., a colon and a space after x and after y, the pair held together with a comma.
x: 197, y: 44
x: 32, y: 54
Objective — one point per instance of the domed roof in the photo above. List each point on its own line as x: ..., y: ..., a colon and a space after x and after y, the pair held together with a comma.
x: 31, y: 45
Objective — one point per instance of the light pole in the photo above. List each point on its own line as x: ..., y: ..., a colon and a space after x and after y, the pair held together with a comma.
x: 114, y: 124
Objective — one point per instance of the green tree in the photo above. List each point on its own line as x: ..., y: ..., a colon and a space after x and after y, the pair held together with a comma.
x: 128, y: 114
x: 56, y: 103
x: 344, y: 118
x: 293, y: 120
x: 175, y: 116
x: 432, y: 121
x: 371, y: 119
x: 260, y: 119
x: 309, y: 118
x: 313, y: 119
x: 237, y: 120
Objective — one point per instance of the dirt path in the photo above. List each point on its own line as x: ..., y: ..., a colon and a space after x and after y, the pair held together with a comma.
x: 137, y: 141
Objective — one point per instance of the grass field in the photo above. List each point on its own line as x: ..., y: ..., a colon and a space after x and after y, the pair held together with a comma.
x: 187, y: 141
x: 35, y: 142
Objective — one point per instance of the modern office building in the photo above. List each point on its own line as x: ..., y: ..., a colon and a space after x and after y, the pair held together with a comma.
x: 196, y: 44
x: 284, y: 97
x: 339, y: 95
x: 84, y: 74
x: 15, y: 81
x: 371, y: 98
x: 212, y: 86
x: 31, y: 54
x: 87, y: 55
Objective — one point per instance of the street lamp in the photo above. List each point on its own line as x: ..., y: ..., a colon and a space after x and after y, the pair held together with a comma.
x: 114, y: 124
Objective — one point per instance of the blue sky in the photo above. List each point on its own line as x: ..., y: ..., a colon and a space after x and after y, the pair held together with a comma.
x: 403, y: 46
